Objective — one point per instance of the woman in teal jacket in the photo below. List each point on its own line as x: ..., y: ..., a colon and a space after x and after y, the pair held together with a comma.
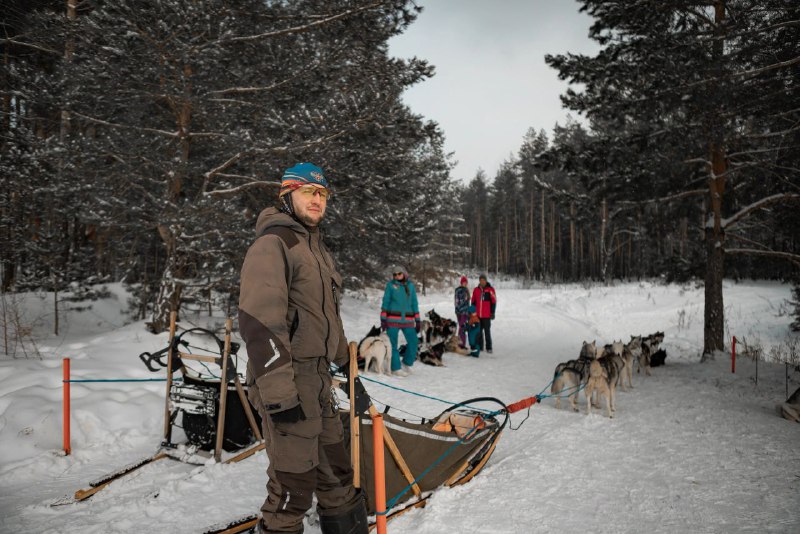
x: 400, y: 311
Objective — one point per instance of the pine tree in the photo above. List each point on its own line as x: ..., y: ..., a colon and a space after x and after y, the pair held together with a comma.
x: 171, y: 121
x: 715, y: 73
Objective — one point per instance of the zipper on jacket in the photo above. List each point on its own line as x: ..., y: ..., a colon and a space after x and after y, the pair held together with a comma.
x: 335, y: 298
x: 295, y: 325
x: 322, y: 281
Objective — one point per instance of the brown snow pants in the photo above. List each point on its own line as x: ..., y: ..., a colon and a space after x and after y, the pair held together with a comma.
x: 307, y: 457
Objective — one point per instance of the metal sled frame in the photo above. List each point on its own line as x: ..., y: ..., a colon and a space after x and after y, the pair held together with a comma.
x: 166, y: 451
x: 222, y: 361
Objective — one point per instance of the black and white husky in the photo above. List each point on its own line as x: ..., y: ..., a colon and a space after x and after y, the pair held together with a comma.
x: 650, y: 346
x: 376, y: 346
x: 433, y: 355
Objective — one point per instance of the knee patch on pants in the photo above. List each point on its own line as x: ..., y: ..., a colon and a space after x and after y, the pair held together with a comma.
x: 294, y: 447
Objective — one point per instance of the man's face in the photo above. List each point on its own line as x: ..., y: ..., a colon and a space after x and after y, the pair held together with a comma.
x: 482, y: 282
x: 309, y: 204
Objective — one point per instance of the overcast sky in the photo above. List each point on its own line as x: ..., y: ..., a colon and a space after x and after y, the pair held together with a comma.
x: 491, y: 81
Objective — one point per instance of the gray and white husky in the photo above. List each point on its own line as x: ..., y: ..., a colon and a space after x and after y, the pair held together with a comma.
x: 568, y: 379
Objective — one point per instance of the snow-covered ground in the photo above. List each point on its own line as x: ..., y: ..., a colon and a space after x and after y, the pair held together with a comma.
x: 692, y: 448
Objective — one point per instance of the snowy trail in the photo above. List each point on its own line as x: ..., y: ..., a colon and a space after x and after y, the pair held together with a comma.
x: 690, y: 449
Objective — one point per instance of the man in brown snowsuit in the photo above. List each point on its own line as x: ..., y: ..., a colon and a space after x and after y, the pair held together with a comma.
x: 289, y: 319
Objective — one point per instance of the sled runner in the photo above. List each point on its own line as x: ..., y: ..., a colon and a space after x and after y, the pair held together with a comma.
x: 212, y: 411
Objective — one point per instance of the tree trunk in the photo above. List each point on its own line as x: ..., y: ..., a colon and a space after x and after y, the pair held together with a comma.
x: 532, y: 242
x: 714, y: 316
x: 6, y: 97
x: 170, y: 287
x: 604, y: 256
x: 714, y: 328
x: 573, y: 252
x: 542, y: 236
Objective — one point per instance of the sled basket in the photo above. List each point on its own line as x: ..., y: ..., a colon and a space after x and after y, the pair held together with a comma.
x: 447, y: 450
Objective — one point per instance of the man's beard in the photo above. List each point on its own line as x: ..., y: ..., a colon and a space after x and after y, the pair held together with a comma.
x: 310, y: 219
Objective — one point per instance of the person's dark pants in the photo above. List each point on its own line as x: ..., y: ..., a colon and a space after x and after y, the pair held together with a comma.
x: 485, y: 335
x: 463, y: 319
x: 307, y: 457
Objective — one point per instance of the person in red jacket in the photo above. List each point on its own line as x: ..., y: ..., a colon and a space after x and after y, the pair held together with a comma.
x: 485, y: 301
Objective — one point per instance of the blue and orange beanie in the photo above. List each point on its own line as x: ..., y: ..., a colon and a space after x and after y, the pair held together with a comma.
x: 302, y: 174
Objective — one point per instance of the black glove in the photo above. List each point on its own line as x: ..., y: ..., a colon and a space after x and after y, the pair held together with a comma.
x: 292, y: 415
x: 417, y: 326
x: 492, y: 317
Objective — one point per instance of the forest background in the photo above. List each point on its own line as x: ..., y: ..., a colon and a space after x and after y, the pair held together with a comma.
x: 140, y: 140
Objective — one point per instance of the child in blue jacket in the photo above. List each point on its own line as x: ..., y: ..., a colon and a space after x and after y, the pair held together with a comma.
x: 473, y: 330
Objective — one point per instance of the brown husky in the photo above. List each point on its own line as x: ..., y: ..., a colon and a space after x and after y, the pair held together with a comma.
x: 598, y: 380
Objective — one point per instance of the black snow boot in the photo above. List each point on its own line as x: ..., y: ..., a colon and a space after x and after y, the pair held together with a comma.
x: 353, y: 521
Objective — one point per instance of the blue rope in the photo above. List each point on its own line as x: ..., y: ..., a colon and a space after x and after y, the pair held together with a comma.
x: 560, y: 394
x: 420, y: 394
x: 84, y: 380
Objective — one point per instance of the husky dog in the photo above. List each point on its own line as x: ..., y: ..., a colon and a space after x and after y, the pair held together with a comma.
x: 376, y: 347
x: 657, y: 359
x: 791, y: 408
x: 453, y: 344
x: 433, y: 355
x: 627, y: 369
x: 613, y: 352
x: 650, y: 346
x: 588, y: 351
x: 598, y: 380
x: 425, y: 328
x: 441, y: 328
x: 644, y: 358
x: 612, y: 364
x: 635, y: 346
x: 569, y: 377
x: 654, y: 340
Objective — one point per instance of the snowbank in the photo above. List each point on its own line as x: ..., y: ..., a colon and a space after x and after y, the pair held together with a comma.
x: 692, y: 448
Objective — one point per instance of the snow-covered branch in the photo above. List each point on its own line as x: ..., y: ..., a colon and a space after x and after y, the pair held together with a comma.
x: 31, y: 45
x: 759, y: 204
x: 669, y: 198
x: 124, y: 126
x: 774, y: 66
x: 296, y: 29
x: 244, y: 187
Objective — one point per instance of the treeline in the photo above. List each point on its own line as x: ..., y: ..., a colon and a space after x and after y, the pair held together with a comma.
x: 689, y: 165
x: 140, y: 139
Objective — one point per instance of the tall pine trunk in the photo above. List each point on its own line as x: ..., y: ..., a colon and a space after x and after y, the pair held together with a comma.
x: 171, y: 286
x: 714, y: 325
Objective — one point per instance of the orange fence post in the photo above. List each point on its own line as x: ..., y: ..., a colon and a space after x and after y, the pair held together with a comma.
x: 733, y: 355
x: 380, y: 473
x: 65, y: 416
